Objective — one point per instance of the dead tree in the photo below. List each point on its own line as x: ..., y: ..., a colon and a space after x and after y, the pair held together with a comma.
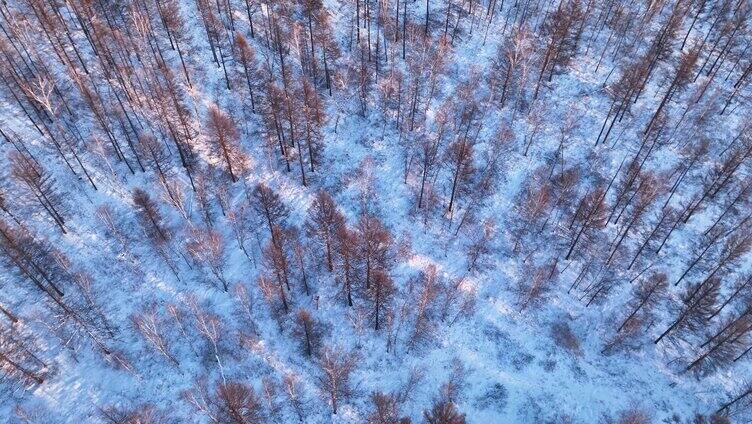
x: 155, y: 156
x: 49, y: 271
x: 209, y: 326
x: 145, y: 413
x: 313, y: 120
x: 481, y: 245
x: 511, y: 63
x: 429, y: 153
x: 532, y: 206
x: 150, y: 217
x: 737, y: 245
x: 560, y: 33
x: 738, y: 402
x: 33, y: 260
x: 645, y: 194
x: 240, y: 220
x: 275, y: 297
x: 719, y: 178
x: 237, y: 403
x: 300, y: 254
x: 293, y: 392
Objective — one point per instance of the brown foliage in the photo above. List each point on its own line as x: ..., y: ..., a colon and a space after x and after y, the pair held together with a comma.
x: 225, y: 142
x: 323, y: 222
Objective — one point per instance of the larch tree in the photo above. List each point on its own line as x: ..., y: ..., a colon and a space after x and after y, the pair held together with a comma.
x: 224, y: 137
x: 429, y: 153
x: 385, y: 410
x: 269, y: 205
x: 335, y: 378
x: 646, y: 296
x: 375, y: 245
x: 381, y: 292
x: 246, y: 57
x: 308, y: 331
x: 425, y: 311
x: 724, y: 346
x: 443, y: 411
x: 276, y: 262
x: 588, y: 218
x: 275, y: 297
x: 535, y: 284
x: 346, y: 243
x: 19, y: 357
x: 694, y: 309
x: 323, y: 222
x: 157, y: 232
x: 38, y: 186
x: 231, y: 402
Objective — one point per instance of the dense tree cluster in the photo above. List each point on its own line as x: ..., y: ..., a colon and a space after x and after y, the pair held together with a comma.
x: 362, y: 174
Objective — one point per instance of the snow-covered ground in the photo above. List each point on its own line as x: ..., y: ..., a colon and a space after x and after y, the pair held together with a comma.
x: 539, y: 363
